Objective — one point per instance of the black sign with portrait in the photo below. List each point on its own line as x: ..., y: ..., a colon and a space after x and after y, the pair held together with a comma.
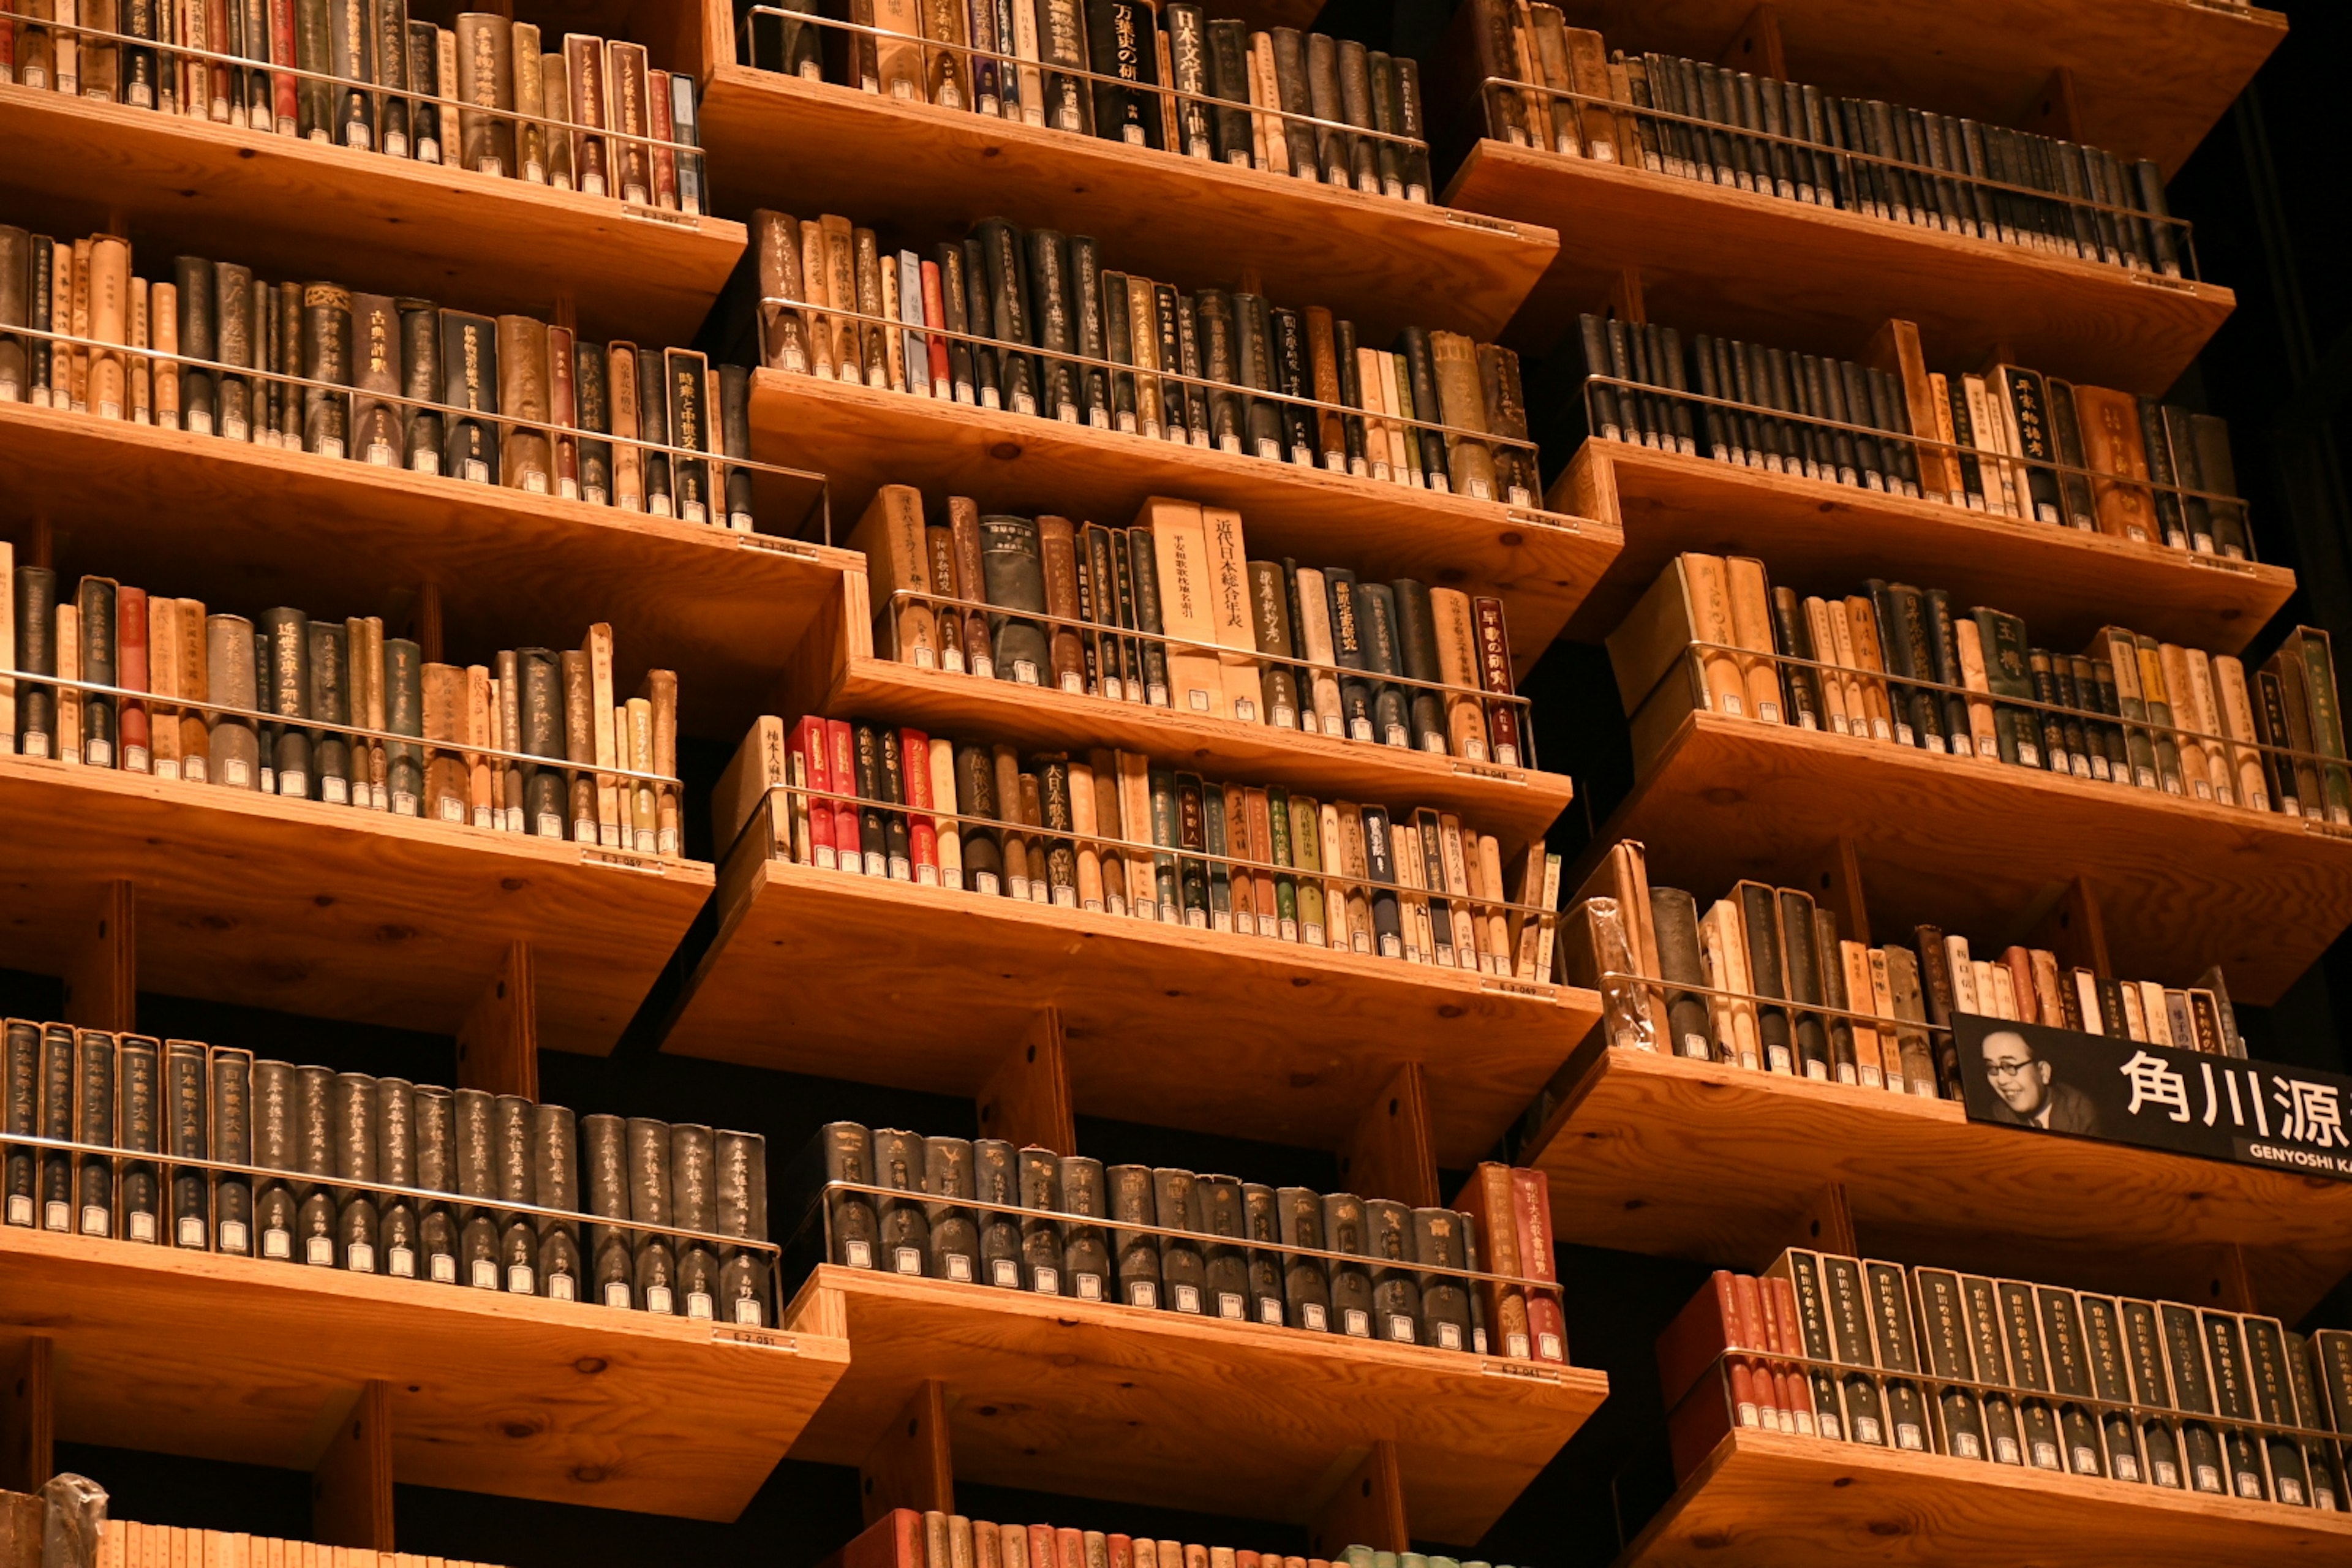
x: 2088, y: 1085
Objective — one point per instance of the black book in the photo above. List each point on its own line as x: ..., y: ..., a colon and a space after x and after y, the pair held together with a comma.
x: 555, y: 1179
x: 1937, y: 629
x: 60, y: 1074
x: 1347, y: 653
x: 1224, y: 1264
x: 2030, y: 1373
x: 1135, y: 1253
x: 1890, y: 1303
x: 842, y: 1152
x: 592, y: 408
x: 396, y: 1150
x: 980, y: 311
x: 438, y: 1240
x: 94, y: 598
x: 1848, y: 1320
x: 1793, y: 637
x: 1802, y: 977
x: 899, y: 855
x: 1766, y: 978
x: 139, y: 1069
x: 1286, y: 349
x: 655, y: 1284
x: 1261, y: 1209
x: 274, y: 1116
x: 1413, y: 347
x: 314, y: 1157
x: 654, y: 428
x: 1346, y: 1229
x: 22, y: 1107
x: 1229, y: 80
x: 2070, y: 1373
x: 420, y: 381
x: 1988, y: 1343
x: 1121, y: 44
x: 1813, y: 1329
x: 2047, y: 691
x: 1086, y: 1248
x: 1675, y: 915
x: 187, y: 1109
x: 1416, y: 635
x: 469, y: 384
x: 2103, y: 1354
x: 2151, y: 1382
x: 1012, y: 573
x: 1381, y: 872
x: 997, y: 1167
x: 948, y: 1176
x: 740, y: 1169
x: 193, y: 278
x: 1183, y: 1269
x: 1437, y: 1235
x: 1305, y: 1287
x: 873, y: 834
x: 474, y: 1120
x: 604, y: 1157
x: 2271, y: 1392
x: 1263, y: 432
x: 329, y: 700
x: 1091, y: 340
x: 351, y: 1103
x: 1114, y: 341
x: 351, y: 49
x: 903, y: 1222
x: 1376, y: 616
x: 241, y: 340
x: 1396, y: 1285
x: 1004, y: 275
x: 1054, y: 317
x: 1189, y: 70
x: 983, y: 852
x: 694, y: 1206
x: 327, y: 357
x: 1189, y: 818
x: 93, y: 1123
x: 35, y: 594
x: 2323, y: 1466
x: 1306, y: 82
x: 1220, y: 364
x: 282, y: 639
x: 1141, y: 576
x: 1176, y: 356
x: 1041, y: 1245
x: 2233, y: 1400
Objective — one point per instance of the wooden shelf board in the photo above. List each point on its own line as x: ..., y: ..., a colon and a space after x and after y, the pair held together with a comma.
x: 337, y: 537
x: 331, y: 912
x: 1538, y: 563
x: 923, y: 173
x: 820, y: 972
x: 1133, y: 1405
x: 2065, y: 584
x: 233, y: 1358
x: 1982, y: 848
x: 1714, y: 259
x: 1772, y: 1501
x: 2151, y: 77
x: 296, y: 209
x: 1664, y: 1155
x: 1515, y: 804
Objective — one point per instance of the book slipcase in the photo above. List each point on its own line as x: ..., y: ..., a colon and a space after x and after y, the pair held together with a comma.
x: 1038, y: 1013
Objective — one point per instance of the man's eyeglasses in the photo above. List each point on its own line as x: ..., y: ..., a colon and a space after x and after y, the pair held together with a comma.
x: 2007, y: 1069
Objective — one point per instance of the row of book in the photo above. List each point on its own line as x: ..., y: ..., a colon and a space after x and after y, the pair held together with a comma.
x: 2009, y: 441
x: 980, y: 1212
x: 2010, y: 1372
x: 220, y: 351
x: 1304, y: 104
x: 484, y: 95
x: 148, y: 1100
x: 1110, y: 832
x: 1262, y: 642
x: 285, y: 685
x: 1730, y: 983
x: 1901, y: 664
x: 125, y: 1544
x: 903, y: 1538
x: 1218, y: 368
x: 1701, y: 121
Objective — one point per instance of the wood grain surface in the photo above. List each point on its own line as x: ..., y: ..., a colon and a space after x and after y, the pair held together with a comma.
x: 233, y: 1358
x: 1715, y: 258
x: 331, y: 912
x: 2151, y: 77
x: 1164, y: 1024
x: 295, y: 209
x: 1820, y: 538
x: 1705, y: 1161
x: 1515, y: 804
x: 919, y: 174
x: 1540, y: 564
x: 1113, y: 1402
x: 339, y: 538
x: 1983, y: 849
x: 1769, y: 1501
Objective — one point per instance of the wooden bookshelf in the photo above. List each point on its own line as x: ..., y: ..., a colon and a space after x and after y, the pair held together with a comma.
x: 1661, y: 1154
x: 1540, y: 564
x: 819, y: 971
x: 297, y: 209
x: 919, y: 174
x: 1821, y: 537
x: 233, y: 1358
x: 244, y: 527
x: 1769, y: 1500
x: 1715, y: 258
x: 331, y: 912
x: 1515, y: 804
x: 1984, y: 849
x: 2149, y: 77
x: 1133, y: 1405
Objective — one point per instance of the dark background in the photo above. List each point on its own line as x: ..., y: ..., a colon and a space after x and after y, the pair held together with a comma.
x: 2264, y: 195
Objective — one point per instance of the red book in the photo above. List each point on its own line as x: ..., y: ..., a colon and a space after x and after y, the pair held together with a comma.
x: 1800, y: 1403
x: 1769, y: 1304
x: 846, y: 837
x: 130, y: 674
x: 563, y: 411
x: 923, y: 833
x: 894, y: 1541
x: 1249, y: 1560
x: 1495, y: 675
x: 665, y: 160
x: 282, y: 83
x: 810, y: 750
x: 942, y: 375
x: 1042, y: 1551
x: 1689, y: 1353
x: 1531, y: 1214
x: 1122, y: 1547
x: 1756, y: 1334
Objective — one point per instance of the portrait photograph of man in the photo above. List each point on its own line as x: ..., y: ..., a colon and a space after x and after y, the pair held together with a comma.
x: 2030, y: 1094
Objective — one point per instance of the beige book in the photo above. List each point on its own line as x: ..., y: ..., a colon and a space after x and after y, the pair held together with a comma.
x: 141, y: 367
x: 1413, y: 913
x: 1833, y: 681
x: 2220, y: 765
x: 1179, y: 543
x: 78, y: 354
x: 1335, y: 890
x: 1355, y: 865
x: 1861, y: 997
x: 1966, y: 998
x: 2041, y: 965
x: 628, y: 463
x: 1891, y: 1060
x: 1268, y: 147
x: 1376, y: 432
x: 815, y: 289
x: 1315, y: 638
x: 529, y: 104
x: 1102, y: 768
x: 2196, y: 767
x: 841, y: 292
x: 1723, y: 952
x: 68, y: 661
x: 1143, y: 337
x: 1084, y: 825
x: 479, y: 733
x: 1995, y: 989
x: 2134, y: 1015
x: 1861, y: 651
x: 898, y: 561
x: 1226, y: 563
x: 897, y: 58
x: 2238, y: 724
x: 943, y: 800
x: 1708, y: 582
x: 108, y: 322
x: 645, y: 805
x: 894, y: 342
x: 163, y: 332
x: 612, y: 830
x: 1493, y: 920
x: 445, y: 781
x: 2155, y: 1014
x: 660, y: 693
x: 1973, y: 676
x: 2086, y: 997
x: 9, y: 653
x: 195, y: 681
x: 1454, y: 622
x: 163, y: 646
x: 2000, y: 492
x: 1750, y: 602
x: 1466, y: 888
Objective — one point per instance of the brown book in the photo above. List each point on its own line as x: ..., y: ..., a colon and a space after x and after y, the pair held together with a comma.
x: 628, y: 86
x: 628, y: 462
x: 483, y: 773
x: 530, y: 104
x: 963, y: 523
x: 841, y: 291
x: 526, y: 457
x: 1588, y: 64
x: 1323, y: 358
x: 195, y: 681
x: 1058, y: 547
x: 486, y: 141
x: 590, y: 113
x: 1862, y: 629
x: 1462, y: 405
x: 1486, y: 1201
x: 109, y: 322
x: 1455, y: 620
x: 783, y: 329
x: 556, y: 101
x: 938, y: 555
x: 1897, y: 350
x: 897, y: 558
x: 2112, y: 445
x: 447, y: 788
x: 659, y: 694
